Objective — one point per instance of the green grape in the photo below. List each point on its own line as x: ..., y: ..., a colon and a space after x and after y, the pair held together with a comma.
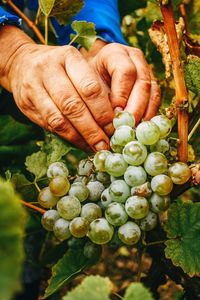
x: 137, y: 207
x: 162, y: 184
x: 91, y: 212
x: 155, y: 164
x: 116, y: 214
x: 115, y: 148
x: 57, y: 169
x: 61, y: 229
x: 106, y: 198
x: 69, y: 207
x: 95, y: 190
x: 119, y: 191
x: 85, y: 167
x: 83, y: 179
x: 46, y: 198
x: 92, y: 251
x: 123, y: 118
x: 103, y: 178
x: 79, y: 190
x: 164, y: 124
x: 59, y: 186
x: 78, y: 227
x: 159, y: 203
x: 135, y: 176
x: 179, y: 172
x: 100, y: 231
x: 123, y: 135
x: 115, y: 165
x: 147, y: 133
x: 129, y: 233
x: 143, y: 190
x: 49, y: 218
x: 134, y: 153
x: 99, y: 160
x: 149, y: 222
x: 161, y: 146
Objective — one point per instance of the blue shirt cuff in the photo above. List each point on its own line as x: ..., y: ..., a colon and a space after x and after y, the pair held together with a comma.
x: 7, y: 18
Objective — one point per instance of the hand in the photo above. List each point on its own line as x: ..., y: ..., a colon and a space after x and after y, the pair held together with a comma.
x: 131, y: 80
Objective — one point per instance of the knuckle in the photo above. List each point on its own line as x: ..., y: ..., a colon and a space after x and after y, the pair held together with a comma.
x: 70, y: 51
x: 91, y: 89
x: 73, y: 106
x: 56, y: 122
x: 138, y: 52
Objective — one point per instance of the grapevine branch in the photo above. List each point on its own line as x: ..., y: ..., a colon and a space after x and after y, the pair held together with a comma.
x: 181, y: 90
x: 27, y: 20
x: 34, y: 207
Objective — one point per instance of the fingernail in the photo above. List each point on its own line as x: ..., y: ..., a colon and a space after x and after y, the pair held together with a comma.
x: 109, y: 129
x: 102, y: 145
x: 118, y: 108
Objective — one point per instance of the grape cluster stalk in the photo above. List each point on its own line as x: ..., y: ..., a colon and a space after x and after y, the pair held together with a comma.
x: 116, y: 194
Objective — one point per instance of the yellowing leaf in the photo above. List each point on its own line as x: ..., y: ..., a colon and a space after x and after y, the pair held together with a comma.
x: 85, y: 33
x: 136, y: 291
x: 46, y: 6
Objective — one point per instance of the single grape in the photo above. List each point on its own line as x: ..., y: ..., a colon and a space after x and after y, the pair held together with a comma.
x: 162, y: 184
x: 100, y: 231
x: 106, y: 198
x: 99, y: 160
x: 135, y: 176
x: 129, y: 233
x: 59, y: 186
x: 115, y: 148
x: 82, y: 179
x: 161, y: 146
x: 143, y: 190
x: 115, y: 165
x: 46, y: 198
x: 147, y: 133
x: 92, y: 251
x: 103, y: 177
x: 155, y: 164
x: 57, y: 169
x: 116, y: 214
x: 134, y: 153
x: 61, y: 229
x: 164, y: 125
x: 91, y: 212
x: 95, y: 190
x: 123, y: 135
x: 159, y: 203
x: 85, y: 167
x: 119, y: 191
x: 123, y: 118
x: 49, y: 218
x: 149, y: 222
x: 79, y: 190
x: 179, y: 172
x: 137, y: 207
x: 69, y: 207
x: 78, y: 227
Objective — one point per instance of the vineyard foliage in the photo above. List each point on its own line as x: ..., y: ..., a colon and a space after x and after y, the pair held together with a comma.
x: 26, y: 152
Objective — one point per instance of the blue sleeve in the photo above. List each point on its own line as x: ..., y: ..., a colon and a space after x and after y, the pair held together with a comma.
x: 103, y: 13
x: 7, y: 18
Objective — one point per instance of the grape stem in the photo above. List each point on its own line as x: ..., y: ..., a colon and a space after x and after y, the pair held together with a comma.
x: 181, y: 90
x: 34, y: 207
x: 194, y: 129
x: 27, y: 20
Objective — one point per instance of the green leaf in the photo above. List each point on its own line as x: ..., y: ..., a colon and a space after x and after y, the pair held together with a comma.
x: 37, y: 164
x: 68, y: 267
x: 46, y: 6
x: 91, y: 288
x: 194, y: 17
x: 136, y: 291
x: 183, y: 232
x: 12, y: 222
x: 24, y: 187
x: 85, y: 33
x: 192, y: 69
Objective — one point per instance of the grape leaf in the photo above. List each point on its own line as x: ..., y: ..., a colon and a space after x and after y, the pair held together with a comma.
x: 85, y: 33
x: 37, y: 164
x: 91, y: 288
x: 46, y: 6
x: 12, y: 222
x: 194, y: 17
x: 69, y: 266
x: 183, y: 232
x: 136, y: 291
x: 24, y: 187
x: 192, y: 68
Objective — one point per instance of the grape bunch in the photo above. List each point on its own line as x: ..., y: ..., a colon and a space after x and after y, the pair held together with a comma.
x: 118, y: 193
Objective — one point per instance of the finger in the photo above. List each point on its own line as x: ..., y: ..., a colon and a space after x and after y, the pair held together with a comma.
x: 121, y: 70
x: 154, y: 101
x: 140, y: 94
x: 65, y: 97
x: 90, y: 87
